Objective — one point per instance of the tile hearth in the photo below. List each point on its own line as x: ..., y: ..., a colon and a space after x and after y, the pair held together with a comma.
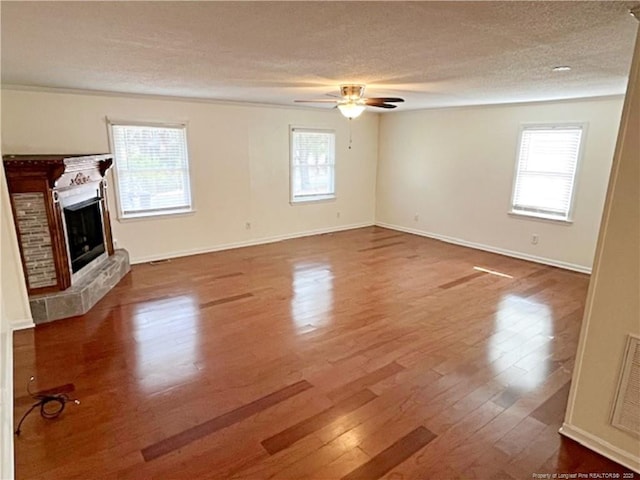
x: 79, y: 298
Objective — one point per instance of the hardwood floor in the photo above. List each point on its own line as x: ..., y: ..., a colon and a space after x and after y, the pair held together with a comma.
x: 358, y: 355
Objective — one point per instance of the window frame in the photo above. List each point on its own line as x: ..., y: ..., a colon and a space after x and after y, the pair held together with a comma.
x: 124, y: 217
x: 532, y: 215
x: 317, y: 198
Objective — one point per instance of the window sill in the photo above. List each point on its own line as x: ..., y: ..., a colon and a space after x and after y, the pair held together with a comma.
x: 155, y: 215
x: 540, y: 217
x: 314, y: 199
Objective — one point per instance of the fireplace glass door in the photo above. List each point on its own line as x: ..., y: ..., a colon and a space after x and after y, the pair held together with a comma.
x: 85, y: 235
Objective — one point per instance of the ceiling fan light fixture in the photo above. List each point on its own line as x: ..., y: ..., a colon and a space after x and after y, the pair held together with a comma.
x: 352, y: 101
x: 351, y: 109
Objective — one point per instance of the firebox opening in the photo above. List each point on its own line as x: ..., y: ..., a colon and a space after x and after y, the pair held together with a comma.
x: 85, y: 235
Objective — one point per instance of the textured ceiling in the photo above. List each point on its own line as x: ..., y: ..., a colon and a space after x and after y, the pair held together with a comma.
x: 433, y: 54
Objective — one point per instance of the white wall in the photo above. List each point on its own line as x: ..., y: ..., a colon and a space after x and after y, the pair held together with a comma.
x: 454, y: 168
x: 613, y: 303
x: 15, y: 303
x: 14, y: 314
x: 239, y: 165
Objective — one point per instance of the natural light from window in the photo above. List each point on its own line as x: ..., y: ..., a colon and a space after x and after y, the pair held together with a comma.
x: 152, y: 169
x: 546, y: 171
x: 312, y: 165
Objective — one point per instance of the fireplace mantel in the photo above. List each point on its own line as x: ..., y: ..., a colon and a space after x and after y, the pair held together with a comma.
x: 60, y: 171
x: 37, y: 183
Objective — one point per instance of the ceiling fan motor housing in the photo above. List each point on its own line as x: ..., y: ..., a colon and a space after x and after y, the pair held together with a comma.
x: 352, y: 92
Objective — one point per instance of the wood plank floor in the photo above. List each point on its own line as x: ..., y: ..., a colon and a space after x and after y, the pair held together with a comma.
x: 359, y: 355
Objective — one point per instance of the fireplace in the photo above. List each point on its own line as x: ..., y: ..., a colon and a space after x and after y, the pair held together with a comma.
x: 84, y: 233
x: 61, y: 214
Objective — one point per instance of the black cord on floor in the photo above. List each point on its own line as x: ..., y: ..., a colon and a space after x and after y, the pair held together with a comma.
x: 51, y: 405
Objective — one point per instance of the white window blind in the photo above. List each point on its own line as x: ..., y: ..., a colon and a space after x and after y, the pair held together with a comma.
x: 546, y: 171
x: 312, y: 164
x: 152, y: 169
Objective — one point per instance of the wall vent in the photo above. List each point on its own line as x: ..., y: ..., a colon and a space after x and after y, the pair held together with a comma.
x: 626, y: 410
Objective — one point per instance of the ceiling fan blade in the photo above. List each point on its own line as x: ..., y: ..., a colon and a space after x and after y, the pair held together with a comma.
x: 319, y: 100
x: 381, y: 105
x: 384, y: 99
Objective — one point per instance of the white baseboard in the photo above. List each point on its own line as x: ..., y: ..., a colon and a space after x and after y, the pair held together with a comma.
x: 602, y: 447
x: 489, y: 248
x: 22, y: 324
x: 248, y: 243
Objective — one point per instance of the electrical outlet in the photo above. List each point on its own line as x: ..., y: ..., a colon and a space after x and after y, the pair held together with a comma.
x: 247, y: 225
x: 338, y: 215
x: 416, y: 217
x: 534, y: 239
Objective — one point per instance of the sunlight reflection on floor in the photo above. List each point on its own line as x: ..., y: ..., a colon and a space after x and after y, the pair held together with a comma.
x: 312, y: 294
x: 523, y: 334
x: 162, y: 359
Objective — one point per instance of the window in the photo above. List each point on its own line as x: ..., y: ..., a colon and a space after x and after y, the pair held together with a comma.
x: 546, y: 171
x: 152, y: 169
x: 313, y: 164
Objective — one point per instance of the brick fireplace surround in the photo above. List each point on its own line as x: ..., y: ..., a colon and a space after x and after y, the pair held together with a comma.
x: 62, y: 220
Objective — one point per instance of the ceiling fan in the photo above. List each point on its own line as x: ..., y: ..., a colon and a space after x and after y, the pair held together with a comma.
x: 352, y: 102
